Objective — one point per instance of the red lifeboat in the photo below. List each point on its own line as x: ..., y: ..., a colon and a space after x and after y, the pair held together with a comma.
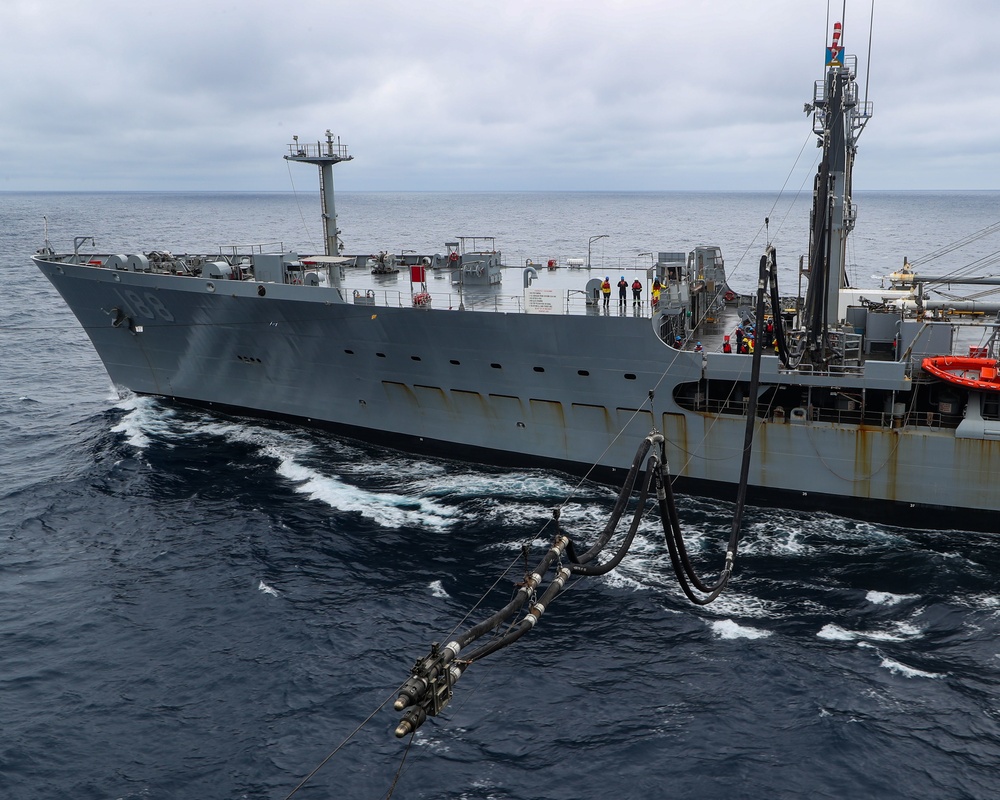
x: 972, y: 373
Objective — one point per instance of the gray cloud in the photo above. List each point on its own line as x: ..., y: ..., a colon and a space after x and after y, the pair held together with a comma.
x: 480, y: 95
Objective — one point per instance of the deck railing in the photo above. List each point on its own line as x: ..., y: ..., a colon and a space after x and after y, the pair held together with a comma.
x: 877, y: 419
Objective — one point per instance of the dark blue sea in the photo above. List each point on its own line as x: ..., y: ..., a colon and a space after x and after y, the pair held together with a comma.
x: 204, y: 606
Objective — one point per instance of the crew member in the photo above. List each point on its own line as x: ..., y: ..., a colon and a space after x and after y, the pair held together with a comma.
x: 726, y: 347
x: 622, y: 292
x: 637, y: 292
x: 606, y: 290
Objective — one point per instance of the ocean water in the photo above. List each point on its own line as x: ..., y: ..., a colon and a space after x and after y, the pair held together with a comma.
x: 203, y: 606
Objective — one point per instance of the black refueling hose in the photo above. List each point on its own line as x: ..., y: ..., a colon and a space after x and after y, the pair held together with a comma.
x: 429, y: 688
x: 771, y: 257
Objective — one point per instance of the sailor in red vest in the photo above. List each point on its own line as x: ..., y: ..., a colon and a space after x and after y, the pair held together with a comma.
x: 726, y: 347
x: 637, y: 292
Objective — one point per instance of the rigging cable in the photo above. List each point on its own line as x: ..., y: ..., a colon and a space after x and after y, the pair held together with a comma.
x: 957, y: 245
x: 337, y: 749
x: 298, y: 205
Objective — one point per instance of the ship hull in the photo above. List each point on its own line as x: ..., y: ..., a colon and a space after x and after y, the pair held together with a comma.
x: 570, y: 392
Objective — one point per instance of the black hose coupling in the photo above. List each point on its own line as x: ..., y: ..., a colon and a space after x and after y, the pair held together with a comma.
x: 412, y: 719
x: 411, y: 692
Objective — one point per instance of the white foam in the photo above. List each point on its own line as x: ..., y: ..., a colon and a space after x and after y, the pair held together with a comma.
x: 904, y: 631
x: 836, y: 633
x: 907, y: 672
x: 386, y: 508
x: 771, y: 539
x: 512, y: 485
x: 437, y: 589
x: 142, y: 415
x: 888, y: 598
x: 727, y: 629
x: 737, y: 604
x: 267, y: 589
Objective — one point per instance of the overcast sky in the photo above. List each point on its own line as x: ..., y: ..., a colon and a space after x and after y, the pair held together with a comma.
x: 485, y: 95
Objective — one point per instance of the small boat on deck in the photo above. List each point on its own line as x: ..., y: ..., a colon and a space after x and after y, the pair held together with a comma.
x: 969, y: 371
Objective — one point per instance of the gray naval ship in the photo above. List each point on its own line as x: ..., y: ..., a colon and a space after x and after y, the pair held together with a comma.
x: 870, y: 403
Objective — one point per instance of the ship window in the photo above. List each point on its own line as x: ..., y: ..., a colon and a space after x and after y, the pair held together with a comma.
x: 496, y: 366
x: 629, y: 376
x: 539, y: 369
x: 380, y: 355
x: 349, y: 352
x: 456, y: 363
x: 414, y: 358
x: 583, y: 372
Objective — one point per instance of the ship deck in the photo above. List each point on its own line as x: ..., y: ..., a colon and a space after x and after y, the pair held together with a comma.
x: 567, y: 286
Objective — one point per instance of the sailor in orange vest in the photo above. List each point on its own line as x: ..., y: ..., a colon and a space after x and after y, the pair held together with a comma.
x: 637, y: 292
x: 726, y: 347
x: 606, y: 290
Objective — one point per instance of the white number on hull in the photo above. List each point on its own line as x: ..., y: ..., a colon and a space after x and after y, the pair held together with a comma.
x: 150, y: 306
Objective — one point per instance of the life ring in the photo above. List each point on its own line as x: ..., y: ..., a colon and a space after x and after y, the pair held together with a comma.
x: 453, y: 257
x: 421, y: 299
x: 729, y: 296
x: 552, y: 263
